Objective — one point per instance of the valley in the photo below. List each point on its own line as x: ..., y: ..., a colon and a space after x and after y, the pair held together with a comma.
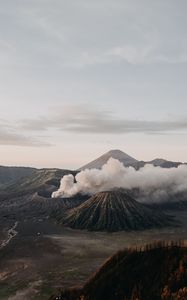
x: 49, y: 244
x: 44, y: 257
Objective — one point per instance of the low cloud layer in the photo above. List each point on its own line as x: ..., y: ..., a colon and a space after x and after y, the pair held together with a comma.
x: 154, y: 183
x: 79, y: 119
x: 12, y: 136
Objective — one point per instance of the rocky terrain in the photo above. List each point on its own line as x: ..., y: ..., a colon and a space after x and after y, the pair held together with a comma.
x: 157, y: 272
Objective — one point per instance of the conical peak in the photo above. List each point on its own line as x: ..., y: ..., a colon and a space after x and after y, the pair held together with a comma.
x: 113, y: 211
x: 116, y: 153
x: 126, y: 159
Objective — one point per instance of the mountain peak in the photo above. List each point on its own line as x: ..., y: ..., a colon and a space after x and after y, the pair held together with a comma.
x: 126, y: 159
x: 117, y: 151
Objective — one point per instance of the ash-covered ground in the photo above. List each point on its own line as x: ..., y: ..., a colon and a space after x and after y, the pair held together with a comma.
x: 41, y: 257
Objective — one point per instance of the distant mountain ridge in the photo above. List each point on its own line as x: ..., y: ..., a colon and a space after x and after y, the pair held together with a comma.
x: 9, y: 174
x: 159, y: 162
x: 43, y: 181
x: 127, y: 161
x: 19, y: 175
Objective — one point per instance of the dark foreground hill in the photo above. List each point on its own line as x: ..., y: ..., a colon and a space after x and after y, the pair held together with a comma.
x: 115, y: 211
x: 157, y: 272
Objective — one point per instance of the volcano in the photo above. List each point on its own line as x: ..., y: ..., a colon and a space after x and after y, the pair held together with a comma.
x: 115, y: 211
x: 126, y: 159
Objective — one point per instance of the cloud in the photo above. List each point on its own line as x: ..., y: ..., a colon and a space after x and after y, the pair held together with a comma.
x: 148, y: 53
x: 131, y: 54
x: 80, y: 119
x: 126, y: 37
x: 11, y: 136
x: 155, y: 184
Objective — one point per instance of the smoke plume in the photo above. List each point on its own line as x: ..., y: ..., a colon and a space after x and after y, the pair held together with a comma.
x: 153, y: 183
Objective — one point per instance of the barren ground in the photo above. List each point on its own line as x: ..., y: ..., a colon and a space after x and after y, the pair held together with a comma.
x: 43, y: 257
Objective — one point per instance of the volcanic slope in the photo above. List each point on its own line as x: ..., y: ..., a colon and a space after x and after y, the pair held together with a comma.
x: 30, y: 196
x: 43, y: 181
x: 114, y: 211
x: 126, y: 159
x: 157, y: 272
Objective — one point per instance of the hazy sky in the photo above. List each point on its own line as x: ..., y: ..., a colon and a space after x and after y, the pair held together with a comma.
x: 78, y: 78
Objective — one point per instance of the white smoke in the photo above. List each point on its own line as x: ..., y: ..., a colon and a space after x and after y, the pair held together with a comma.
x: 153, y: 183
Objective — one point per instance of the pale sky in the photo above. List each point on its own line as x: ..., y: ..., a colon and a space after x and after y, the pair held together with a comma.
x: 78, y: 78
